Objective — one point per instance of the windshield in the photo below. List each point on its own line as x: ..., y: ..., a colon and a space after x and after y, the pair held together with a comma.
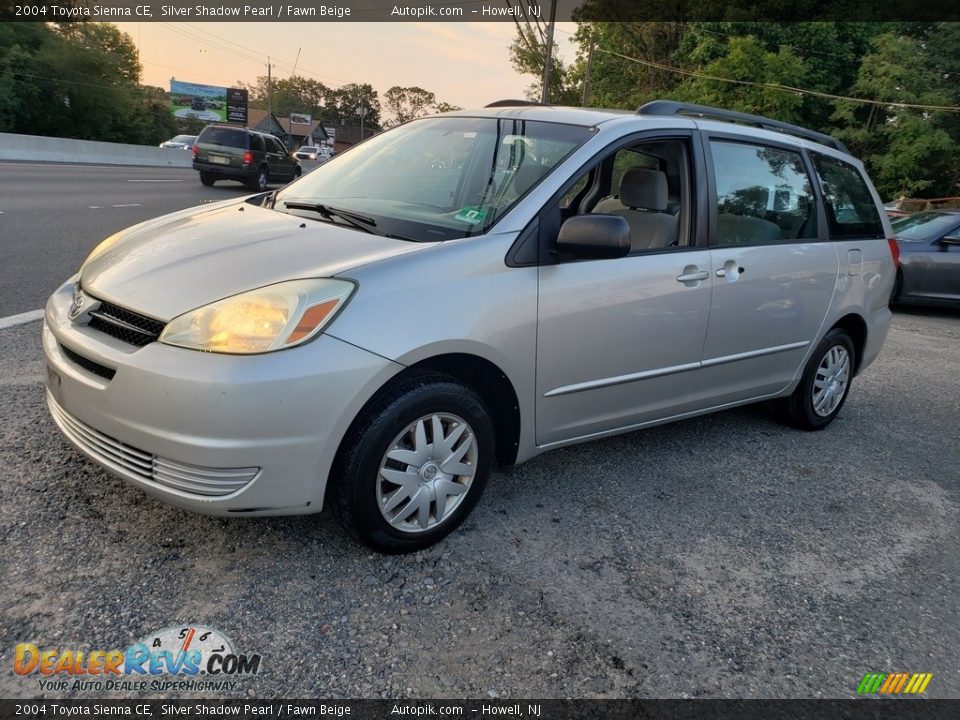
x: 439, y: 178
x: 924, y: 226
x: 184, y: 138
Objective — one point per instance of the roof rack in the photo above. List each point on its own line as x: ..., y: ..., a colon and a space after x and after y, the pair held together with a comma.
x: 670, y: 107
x: 512, y: 103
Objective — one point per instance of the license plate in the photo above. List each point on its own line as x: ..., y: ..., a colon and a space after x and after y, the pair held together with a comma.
x: 54, y: 383
x: 219, y: 160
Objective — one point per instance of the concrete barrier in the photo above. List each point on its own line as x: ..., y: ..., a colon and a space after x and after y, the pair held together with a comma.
x: 64, y: 150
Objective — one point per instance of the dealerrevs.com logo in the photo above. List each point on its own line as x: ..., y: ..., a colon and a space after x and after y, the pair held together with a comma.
x: 176, y: 658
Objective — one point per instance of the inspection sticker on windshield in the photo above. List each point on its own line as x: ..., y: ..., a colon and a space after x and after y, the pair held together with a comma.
x: 471, y: 214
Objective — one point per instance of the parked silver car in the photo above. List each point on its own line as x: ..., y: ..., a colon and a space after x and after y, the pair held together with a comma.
x: 477, y: 287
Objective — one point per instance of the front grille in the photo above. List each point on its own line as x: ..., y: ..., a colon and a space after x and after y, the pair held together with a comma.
x: 163, y: 472
x: 89, y: 365
x: 125, y: 325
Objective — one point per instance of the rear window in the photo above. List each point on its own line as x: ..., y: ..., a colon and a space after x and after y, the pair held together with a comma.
x: 227, y: 137
x: 851, y: 211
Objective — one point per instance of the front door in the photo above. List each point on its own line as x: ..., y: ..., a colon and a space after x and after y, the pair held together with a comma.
x: 619, y: 340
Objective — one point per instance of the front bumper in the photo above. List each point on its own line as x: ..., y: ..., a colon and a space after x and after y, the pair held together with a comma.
x: 217, y: 434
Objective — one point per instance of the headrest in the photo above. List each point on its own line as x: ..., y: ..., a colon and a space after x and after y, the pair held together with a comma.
x: 644, y: 188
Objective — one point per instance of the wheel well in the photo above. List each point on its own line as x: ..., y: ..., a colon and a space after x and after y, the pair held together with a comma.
x: 856, y: 327
x: 495, y: 390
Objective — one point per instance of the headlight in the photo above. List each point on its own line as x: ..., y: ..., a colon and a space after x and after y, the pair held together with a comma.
x: 271, y: 318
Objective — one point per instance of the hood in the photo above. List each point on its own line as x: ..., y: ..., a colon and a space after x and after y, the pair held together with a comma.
x: 179, y: 262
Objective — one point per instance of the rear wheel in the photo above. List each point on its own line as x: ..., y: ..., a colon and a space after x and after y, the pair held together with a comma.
x: 259, y: 182
x: 207, y: 178
x: 824, y: 386
x: 414, y: 464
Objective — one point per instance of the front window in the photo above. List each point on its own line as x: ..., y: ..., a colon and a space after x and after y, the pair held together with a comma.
x: 439, y: 178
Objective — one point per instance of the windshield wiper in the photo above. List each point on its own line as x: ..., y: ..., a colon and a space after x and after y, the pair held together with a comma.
x: 361, y: 222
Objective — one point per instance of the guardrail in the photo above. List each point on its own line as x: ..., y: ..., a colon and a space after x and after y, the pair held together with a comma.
x: 36, y: 148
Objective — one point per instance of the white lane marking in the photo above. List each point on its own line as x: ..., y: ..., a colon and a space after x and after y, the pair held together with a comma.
x: 154, y: 180
x: 14, y: 320
x: 127, y: 205
x: 95, y: 207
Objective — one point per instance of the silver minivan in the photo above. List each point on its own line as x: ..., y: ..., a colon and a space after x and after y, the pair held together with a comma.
x: 465, y: 289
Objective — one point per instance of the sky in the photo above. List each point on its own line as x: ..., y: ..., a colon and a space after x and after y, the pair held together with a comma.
x: 463, y: 63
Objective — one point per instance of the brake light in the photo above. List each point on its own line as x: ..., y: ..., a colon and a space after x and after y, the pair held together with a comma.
x: 196, y: 151
x: 894, y: 251
x: 248, y: 158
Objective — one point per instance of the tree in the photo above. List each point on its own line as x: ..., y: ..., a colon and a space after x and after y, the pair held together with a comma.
x: 77, y: 79
x: 528, y: 55
x: 406, y: 103
x: 751, y: 67
x: 909, y: 151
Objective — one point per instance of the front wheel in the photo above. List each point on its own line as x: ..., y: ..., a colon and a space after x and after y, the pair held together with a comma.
x: 824, y: 386
x: 414, y: 464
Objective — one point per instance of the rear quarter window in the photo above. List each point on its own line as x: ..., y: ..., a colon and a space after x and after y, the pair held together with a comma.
x: 226, y: 137
x: 851, y: 211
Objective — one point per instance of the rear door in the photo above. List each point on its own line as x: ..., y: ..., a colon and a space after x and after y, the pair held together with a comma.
x: 774, y: 272
x: 281, y: 164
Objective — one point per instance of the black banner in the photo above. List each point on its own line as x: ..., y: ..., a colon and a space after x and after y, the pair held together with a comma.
x: 237, y: 106
x: 475, y: 10
x: 861, y: 709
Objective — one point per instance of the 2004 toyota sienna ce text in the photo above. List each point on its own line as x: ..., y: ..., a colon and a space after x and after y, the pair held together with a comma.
x: 469, y: 288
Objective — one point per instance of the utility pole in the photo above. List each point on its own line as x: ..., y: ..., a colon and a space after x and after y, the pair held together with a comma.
x: 269, y: 93
x: 362, y: 112
x: 586, y: 78
x: 549, y: 59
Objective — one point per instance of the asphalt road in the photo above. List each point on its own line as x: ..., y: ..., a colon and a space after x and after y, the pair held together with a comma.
x: 725, y: 556
x: 51, y: 216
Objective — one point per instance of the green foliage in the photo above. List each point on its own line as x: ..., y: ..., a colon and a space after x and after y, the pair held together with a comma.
x: 78, y: 80
x: 331, y: 105
x: 907, y: 151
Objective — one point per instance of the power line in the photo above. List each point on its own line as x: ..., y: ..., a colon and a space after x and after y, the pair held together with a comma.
x: 777, y: 86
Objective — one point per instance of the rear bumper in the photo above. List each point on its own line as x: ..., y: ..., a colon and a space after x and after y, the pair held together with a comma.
x: 226, y: 171
x: 878, y: 325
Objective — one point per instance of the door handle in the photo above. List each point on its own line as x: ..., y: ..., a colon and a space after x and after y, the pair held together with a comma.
x: 692, y: 275
x: 730, y: 268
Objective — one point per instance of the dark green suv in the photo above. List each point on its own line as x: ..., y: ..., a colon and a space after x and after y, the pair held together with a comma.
x: 224, y: 152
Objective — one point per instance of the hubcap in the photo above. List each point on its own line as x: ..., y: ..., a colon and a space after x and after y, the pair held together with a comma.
x: 427, y: 472
x: 830, y: 383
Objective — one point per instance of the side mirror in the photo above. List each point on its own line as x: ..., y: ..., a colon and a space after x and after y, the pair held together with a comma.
x: 594, y: 237
x: 950, y: 240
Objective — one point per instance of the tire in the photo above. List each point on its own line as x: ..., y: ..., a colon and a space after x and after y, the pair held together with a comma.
x: 297, y: 172
x: 260, y: 180
x: 207, y: 178
x: 831, y: 366
x: 399, y: 420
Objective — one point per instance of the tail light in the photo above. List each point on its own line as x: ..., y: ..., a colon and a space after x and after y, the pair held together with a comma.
x: 894, y: 251
x: 196, y: 151
x: 248, y: 158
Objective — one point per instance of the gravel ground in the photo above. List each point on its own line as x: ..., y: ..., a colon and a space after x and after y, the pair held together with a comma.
x: 725, y: 556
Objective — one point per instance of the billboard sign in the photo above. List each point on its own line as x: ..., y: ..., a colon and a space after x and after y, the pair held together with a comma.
x: 237, y: 106
x: 300, y: 119
x: 203, y: 102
